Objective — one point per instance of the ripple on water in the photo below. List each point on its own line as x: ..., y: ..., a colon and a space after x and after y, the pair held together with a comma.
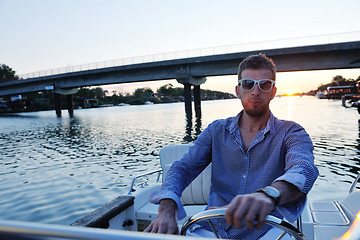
x: 57, y: 170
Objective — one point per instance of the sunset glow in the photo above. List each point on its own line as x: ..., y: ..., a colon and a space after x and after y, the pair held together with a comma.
x: 290, y: 92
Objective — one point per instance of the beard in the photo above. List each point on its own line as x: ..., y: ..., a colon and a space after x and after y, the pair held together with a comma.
x: 256, y: 112
x: 255, y: 107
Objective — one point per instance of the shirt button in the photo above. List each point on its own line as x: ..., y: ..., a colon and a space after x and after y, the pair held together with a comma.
x: 244, y: 176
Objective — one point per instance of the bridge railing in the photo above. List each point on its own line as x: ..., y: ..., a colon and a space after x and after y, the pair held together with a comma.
x: 253, y: 46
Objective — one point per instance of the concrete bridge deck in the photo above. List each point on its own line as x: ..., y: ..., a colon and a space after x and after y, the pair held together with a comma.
x: 317, y: 57
x: 192, y: 71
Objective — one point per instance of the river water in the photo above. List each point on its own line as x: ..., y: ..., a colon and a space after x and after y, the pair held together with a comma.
x: 55, y: 170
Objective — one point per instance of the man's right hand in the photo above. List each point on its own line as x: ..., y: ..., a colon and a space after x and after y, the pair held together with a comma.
x: 165, y: 222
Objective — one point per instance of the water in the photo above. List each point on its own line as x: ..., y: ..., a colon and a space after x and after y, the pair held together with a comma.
x: 55, y: 170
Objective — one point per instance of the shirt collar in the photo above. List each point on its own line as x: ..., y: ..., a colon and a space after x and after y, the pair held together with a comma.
x: 270, y: 125
x: 233, y: 126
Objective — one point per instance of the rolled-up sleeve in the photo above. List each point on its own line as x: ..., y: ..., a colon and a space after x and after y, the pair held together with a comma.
x: 299, y: 168
x: 155, y: 198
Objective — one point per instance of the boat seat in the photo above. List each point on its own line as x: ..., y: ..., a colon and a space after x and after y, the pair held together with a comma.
x: 199, y: 189
x: 195, y: 196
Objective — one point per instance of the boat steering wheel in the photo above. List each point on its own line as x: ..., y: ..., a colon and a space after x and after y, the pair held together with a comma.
x: 220, y: 213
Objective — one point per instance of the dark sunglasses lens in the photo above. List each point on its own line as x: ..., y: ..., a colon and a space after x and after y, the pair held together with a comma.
x: 247, y: 84
x: 265, y: 85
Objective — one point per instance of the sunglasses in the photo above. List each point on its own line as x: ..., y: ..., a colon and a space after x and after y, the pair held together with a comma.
x: 264, y: 85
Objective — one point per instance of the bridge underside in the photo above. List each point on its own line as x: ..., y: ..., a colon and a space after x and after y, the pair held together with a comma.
x: 319, y: 57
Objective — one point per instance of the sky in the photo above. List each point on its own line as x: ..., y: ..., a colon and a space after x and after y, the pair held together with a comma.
x: 39, y: 35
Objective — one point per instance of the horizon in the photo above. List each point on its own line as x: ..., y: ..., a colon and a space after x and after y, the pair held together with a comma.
x: 286, y: 82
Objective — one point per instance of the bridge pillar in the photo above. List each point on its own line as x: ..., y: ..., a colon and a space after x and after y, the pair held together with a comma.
x: 70, y: 104
x: 57, y: 98
x: 69, y: 100
x: 197, y: 101
x: 184, y: 78
x: 187, y: 100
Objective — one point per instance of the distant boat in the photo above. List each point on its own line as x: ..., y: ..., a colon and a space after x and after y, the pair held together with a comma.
x: 17, y: 103
x: 123, y: 104
x: 148, y: 103
x: 3, y: 106
x: 91, y: 103
x: 321, y: 95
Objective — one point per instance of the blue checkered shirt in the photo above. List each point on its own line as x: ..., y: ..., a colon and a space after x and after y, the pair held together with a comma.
x: 280, y: 151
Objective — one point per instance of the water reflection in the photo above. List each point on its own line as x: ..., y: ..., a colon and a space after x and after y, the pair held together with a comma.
x: 55, y: 170
x: 73, y: 129
x: 358, y: 140
x: 189, y: 136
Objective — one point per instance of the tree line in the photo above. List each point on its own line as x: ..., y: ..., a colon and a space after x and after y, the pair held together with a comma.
x: 339, y: 80
x: 164, y: 94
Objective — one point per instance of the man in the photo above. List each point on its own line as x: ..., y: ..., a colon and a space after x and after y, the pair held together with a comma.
x: 260, y: 165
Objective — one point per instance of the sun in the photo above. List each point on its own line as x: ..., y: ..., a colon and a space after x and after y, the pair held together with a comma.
x: 290, y: 92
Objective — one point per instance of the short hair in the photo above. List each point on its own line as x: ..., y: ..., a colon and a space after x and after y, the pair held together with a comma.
x: 257, y: 61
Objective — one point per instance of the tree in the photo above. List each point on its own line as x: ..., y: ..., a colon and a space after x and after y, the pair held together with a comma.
x: 7, y: 74
x: 169, y: 90
x: 337, y: 79
x: 143, y: 93
x: 85, y: 93
x: 165, y: 90
x: 99, y: 93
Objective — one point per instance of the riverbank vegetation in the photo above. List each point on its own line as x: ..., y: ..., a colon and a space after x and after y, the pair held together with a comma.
x: 164, y: 94
x: 97, y: 96
x: 7, y: 73
x: 339, y: 80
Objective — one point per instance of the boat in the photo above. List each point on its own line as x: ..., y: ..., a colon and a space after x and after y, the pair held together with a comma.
x: 128, y: 215
x: 3, y: 106
x: 123, y: 104
x: 321, y: 95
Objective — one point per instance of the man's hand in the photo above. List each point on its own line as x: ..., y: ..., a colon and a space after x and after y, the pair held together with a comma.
x: 165, y: 222
x: 252, y: 208
x: 256, y: 206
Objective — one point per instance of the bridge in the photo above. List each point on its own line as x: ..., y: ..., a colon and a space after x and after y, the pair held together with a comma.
x: 191, y: 71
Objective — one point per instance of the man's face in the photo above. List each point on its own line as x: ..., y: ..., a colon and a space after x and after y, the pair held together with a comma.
x: 255, y: 102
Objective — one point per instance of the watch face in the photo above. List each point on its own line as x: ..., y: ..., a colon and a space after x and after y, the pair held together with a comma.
x: 272, y: 192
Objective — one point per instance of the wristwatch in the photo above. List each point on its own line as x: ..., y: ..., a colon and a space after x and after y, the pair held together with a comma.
x: 272, y: 193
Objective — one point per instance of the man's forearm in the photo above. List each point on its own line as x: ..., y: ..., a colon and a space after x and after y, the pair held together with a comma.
x: 165, y: 222
x: 168, y: 206
x: 288, y: 191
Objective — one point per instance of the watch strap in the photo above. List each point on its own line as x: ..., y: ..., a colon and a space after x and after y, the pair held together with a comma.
x: 275, y: 199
